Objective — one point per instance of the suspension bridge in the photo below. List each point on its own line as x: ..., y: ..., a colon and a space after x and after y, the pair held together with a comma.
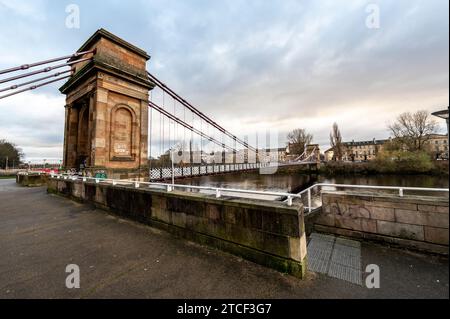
x: 125, y: 122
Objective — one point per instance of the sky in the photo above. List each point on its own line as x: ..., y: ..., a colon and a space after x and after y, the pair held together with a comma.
x: 251, y: 65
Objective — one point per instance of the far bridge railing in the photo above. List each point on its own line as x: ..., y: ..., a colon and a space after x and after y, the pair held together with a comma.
x: 162, y: 173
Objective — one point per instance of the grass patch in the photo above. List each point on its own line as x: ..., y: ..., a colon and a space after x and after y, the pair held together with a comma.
x: 7, y: 176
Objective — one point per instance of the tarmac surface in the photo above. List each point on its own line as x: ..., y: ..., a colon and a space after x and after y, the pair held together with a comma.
x: 40, y: 234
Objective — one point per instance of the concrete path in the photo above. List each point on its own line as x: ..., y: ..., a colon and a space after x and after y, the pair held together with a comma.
x: 41, y: 234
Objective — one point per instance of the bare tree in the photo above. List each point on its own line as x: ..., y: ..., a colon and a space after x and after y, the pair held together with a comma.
x: 298, y: 139
x: 336, y: 142
x: 412, y: 130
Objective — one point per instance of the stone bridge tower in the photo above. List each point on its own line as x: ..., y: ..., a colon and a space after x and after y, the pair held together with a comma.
x: 106, y: 118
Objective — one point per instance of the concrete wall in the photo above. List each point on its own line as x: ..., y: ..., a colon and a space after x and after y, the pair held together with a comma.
x: 411, y: 221
x: 268, y: 233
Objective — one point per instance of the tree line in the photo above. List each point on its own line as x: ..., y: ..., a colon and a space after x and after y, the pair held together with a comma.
x: 409, y: 132
x: 10, y: 155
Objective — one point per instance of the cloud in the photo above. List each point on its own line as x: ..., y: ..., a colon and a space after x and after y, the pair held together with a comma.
x: 35, y: 122
x: 253, y: 65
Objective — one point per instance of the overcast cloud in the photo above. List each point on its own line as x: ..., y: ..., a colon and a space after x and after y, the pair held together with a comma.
x: 247, y: 64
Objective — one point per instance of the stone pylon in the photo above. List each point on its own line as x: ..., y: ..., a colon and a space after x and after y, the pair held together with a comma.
x: 106, y: 118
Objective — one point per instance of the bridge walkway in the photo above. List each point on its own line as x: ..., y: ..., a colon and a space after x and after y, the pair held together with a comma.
x: 40, y: 234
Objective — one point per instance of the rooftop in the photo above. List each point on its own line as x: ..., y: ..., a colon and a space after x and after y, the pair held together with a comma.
x: 371, y: 142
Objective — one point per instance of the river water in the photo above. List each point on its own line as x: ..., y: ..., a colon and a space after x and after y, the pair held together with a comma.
x: 296, y: 182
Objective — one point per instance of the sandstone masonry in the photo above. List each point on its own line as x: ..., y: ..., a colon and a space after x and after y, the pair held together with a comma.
x: 409, y: 221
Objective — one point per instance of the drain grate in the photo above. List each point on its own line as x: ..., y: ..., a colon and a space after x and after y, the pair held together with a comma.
x: 345, y: 273
x: 336, y: 257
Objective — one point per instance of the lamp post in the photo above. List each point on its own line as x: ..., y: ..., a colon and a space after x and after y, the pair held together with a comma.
x: 444, y: 115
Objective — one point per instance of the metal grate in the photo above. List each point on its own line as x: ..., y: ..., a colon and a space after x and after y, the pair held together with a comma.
x: 337, y: 257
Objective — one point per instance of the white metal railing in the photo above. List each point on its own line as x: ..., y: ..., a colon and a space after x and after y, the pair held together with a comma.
x: 400, y: 190
x: 218, y: 191
x: 31, y: 173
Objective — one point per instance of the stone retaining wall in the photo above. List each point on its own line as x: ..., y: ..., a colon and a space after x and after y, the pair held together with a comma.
x: 31, y: 180
x: 410, y: 221
x: 268, y: 233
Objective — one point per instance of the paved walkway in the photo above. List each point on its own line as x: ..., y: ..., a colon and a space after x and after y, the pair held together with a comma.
x: 40, y: 234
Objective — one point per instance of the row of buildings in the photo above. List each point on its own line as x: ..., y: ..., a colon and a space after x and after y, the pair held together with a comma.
x: 354, y: 151
x: 367, y: 150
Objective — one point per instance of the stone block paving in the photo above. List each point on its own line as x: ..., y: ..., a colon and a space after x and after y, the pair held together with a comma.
x: 336, y: 257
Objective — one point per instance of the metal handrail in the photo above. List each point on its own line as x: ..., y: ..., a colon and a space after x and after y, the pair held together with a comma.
x: 218, y: 190
x: 170, y: 187
x: 400, y: 190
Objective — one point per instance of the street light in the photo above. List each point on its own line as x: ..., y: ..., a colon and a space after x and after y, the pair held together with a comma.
x: 444, y: 115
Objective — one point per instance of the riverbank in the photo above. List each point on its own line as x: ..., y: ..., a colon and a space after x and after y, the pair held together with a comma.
x: 436, y: 168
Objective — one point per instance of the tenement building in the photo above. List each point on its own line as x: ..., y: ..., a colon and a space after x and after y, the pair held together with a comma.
x: 358, y: 150
x: 438, y: 145
x: 363, y: 150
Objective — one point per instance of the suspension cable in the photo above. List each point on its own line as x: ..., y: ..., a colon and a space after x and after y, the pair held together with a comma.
x: 15, y: 86
x: 35, y: 86
x: 186, y: 125
x: 164, y: 87
x: 163, y: 129
x: 27, y: 66
x: 47, y: 69
x: 150, y: 137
